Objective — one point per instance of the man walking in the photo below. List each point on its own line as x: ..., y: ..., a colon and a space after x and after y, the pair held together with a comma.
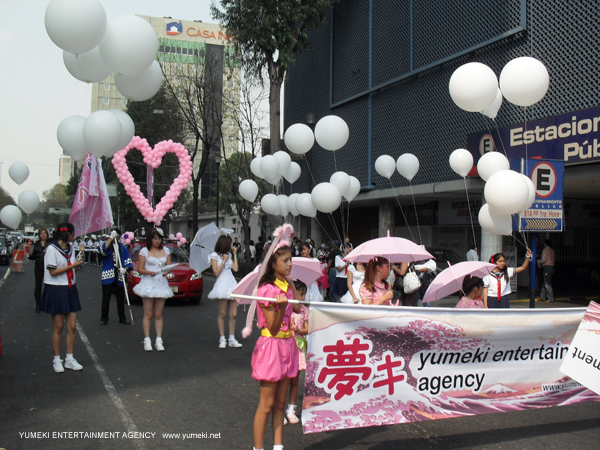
x: 113, y: 274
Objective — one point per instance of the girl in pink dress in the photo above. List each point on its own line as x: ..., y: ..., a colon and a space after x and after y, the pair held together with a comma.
x: 472, y: 288
x: 300, y: 330
x: 375, y: 290
x: 275, y: 357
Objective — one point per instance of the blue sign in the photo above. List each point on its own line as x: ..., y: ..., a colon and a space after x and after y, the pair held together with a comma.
x: 573, y: 138
x: 546, y: 213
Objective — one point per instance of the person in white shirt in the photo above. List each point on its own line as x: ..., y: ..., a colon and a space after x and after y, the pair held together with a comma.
x: 497, y: 284
x: 341, y: 276
x: 472, y: 253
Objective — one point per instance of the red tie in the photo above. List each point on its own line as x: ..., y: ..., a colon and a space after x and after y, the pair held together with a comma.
x: 70, y: 275
x: 499, y: 288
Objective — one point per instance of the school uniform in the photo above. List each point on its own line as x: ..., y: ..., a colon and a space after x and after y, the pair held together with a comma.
x: 498, y: 288
x: 60, y: 294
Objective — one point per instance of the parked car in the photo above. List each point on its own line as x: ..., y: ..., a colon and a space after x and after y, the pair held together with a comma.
x: 443, y: 256
x: 30, y: 236
x: 183, y: 280
x: 4, y: 252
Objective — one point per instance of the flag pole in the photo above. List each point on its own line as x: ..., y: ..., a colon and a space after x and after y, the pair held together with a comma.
x: 118, y: 254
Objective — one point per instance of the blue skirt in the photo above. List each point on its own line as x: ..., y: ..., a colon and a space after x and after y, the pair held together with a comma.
x: 493, y: 302
x: 60, y: 299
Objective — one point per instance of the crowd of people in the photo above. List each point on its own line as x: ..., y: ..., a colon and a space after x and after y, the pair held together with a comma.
x: 280, y: 352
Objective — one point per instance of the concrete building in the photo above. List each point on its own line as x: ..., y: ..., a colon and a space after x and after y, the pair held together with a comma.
x: 65, y: 169
x: 384, y: 67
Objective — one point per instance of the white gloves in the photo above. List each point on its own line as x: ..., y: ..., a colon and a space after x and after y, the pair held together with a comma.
x: 114, y: 235
x: 122, y: 270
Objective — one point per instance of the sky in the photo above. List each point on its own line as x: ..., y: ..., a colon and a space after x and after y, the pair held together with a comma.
x: 37, y: 90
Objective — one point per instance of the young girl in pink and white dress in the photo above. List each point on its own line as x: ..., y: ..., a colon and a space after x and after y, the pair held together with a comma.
x: 275, y: 356
x: 375, y: 290
x: 300, y: 330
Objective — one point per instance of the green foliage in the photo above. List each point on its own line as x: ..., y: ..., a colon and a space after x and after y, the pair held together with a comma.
x: 5, y: 198
x: 56, y: 197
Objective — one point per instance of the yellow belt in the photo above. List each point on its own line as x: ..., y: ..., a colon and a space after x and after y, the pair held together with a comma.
x: 280, y: 334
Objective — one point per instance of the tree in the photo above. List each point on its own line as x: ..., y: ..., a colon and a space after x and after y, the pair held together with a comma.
x: 267, y: 35
x: 5, y: 198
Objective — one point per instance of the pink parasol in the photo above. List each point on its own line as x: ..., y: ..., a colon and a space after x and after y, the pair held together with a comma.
x: 450, y: 280
x: 306, y: 269
x: 394, y: 249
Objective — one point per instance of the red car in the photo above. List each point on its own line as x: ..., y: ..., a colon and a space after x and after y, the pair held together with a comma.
x: 183, y: 280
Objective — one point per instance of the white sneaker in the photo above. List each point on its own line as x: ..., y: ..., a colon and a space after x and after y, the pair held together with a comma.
x: 158, y: 345
x: 222, y: 343
x: 73, y: 364
x: 291, y: 416
x: 234, y: 343
x: 148, y: 345
x: 58, y: 367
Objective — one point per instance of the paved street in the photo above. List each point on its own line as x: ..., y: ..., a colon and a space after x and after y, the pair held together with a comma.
x: 194, y: 387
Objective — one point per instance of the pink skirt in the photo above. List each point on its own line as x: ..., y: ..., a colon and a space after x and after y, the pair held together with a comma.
x: 274, y: 359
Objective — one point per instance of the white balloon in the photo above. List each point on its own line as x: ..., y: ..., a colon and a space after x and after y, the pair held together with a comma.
x: 70, y: 137
x: 29, y: 201
x: 531, y: 196
x: 305, y: 206
x: 270, y: 204
x: 461, y: 161
x: 506, y: 192
x: 102, y: 130
x: 331, y: 133
x: 353, y: 190
x: 75, y: 26
x: 140, y: 86
x: 408, y: 165
x: 130, y: 45
x: 293, y: 173
x: 269, y: 166
x: 255, y: 167
x: 385, y: 166
x: 473, y: 86
x: 299, y: 138
x: 11, y: 216
x: 283, y: 205
x: 274, y: 180
x: 490, y: 163
x: 248, y: 190
x: 524, y: 81
x: 18, y: 172
x: 284, y: 161
x: 494, y: 222
x: 341, y: 181
x: 492, y: 110
x: 326, y: 197
x: 128, y: 131
x: 88, y: 67
x: 291, y: 204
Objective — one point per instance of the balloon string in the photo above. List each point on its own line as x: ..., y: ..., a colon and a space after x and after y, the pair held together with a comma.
x: 416, y: 215
x: 401, y: 210
x: 325, y: 231
x: 309, y: 170
x: 487, y: 125
x: 335, y: 228
x: 470, y: 213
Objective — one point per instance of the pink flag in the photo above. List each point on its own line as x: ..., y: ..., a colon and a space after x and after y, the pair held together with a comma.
x: 91, y: 209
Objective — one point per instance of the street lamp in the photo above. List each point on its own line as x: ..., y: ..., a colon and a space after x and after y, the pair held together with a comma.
x: 216, y: 157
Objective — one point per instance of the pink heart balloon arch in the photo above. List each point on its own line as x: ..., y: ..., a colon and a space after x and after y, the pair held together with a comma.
x: 153, y: 157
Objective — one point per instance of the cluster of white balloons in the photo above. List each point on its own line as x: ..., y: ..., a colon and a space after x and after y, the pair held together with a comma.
x: 272, y: 167
x: 506, y: 192
x: 28, y: 200
x: 93, y: 48
x: 474, y: 86
x: 104, y: 133
x: 407, y: 165
x: 331, y: 133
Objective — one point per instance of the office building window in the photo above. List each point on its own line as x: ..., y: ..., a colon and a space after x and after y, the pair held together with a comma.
x: 107, y: 86
x: 230, y: 123
x: 124, y: 101
x: 231, y: 96
x: 184, y: 51
x: 106, y: 100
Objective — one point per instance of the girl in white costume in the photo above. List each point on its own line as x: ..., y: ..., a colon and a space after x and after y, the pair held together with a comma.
x: 312, y: 292
x: 222, y: 264
x: 356, y: 276
x: 154, y: 287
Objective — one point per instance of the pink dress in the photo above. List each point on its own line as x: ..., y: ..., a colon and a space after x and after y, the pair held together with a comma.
x: 465, y: 302
x: 300, y: 319
x: 274, y: 358
x: 380, y: 290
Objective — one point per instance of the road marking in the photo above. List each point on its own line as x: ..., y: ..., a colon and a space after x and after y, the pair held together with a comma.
x: 110, y: 388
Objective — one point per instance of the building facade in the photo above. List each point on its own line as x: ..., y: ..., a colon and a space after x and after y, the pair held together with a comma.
x: 384, y: 67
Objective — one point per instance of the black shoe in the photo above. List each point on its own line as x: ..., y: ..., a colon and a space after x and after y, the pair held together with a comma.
x: 125, y: 322
x: 104, y: 322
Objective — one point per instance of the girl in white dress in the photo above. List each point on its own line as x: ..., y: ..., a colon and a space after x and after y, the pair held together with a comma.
x: 312, y: 292
x: 154, y: 287
x: 356, y: 276
x: 222, y: 264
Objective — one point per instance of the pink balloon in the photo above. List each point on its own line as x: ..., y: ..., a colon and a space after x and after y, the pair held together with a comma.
x: 171, y: 236
x: 179, y: 235
x: 183, y: 240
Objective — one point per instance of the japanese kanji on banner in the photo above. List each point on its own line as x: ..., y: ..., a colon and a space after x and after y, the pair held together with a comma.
x: 370, y: 366
x: 582, y: 363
